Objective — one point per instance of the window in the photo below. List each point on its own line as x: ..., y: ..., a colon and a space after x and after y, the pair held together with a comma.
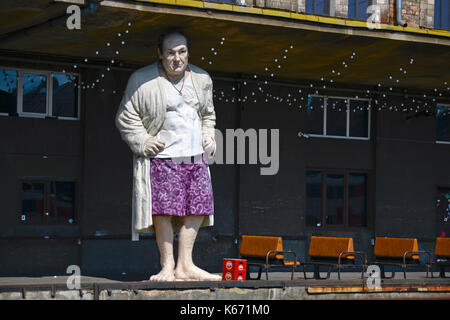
x: 443, y: 123
x: 321, y: 7
x: 338, y: 117
x: 39, y: 94
x: 47, y: 202
x: 64, y: 95
x: 8, y: 91
x: 357, y: 9
x: 34, y: 94
x: 336, y: 198
x: 442, y: 14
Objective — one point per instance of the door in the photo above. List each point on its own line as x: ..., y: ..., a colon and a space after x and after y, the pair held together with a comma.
x: 443, y: 212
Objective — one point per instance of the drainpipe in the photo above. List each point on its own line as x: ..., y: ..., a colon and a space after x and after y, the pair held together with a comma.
x: 399, y: 14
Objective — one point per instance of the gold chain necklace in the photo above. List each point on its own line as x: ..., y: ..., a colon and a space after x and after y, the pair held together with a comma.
x: 162, y: 71
x: 179, y: 91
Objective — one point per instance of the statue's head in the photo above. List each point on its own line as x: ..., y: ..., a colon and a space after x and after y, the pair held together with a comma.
x: 173, y: 51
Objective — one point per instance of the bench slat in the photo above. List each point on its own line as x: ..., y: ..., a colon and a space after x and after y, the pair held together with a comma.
x: 395, y: 247
x: 442, y: 248
x: 330, y: 247
x: 258, y: 246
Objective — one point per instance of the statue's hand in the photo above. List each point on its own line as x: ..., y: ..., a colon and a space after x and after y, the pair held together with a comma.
x: 153, y: 146
x: 209, y: 145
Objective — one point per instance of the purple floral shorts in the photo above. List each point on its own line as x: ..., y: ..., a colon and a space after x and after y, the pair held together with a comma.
x: 180, y: 189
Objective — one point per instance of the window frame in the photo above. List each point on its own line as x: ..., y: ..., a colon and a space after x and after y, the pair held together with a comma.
x: 46, y: 220
x: 49, y: 94
x: 347, y: 124
x: 331, y: 9
x: 345, y: 219
x: 354, y: 14
x: 443, y: 105
x: 20, y: 112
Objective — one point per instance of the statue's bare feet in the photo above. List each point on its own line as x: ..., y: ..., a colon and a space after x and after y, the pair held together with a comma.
x: 166, y: 274
x: 194, y: 273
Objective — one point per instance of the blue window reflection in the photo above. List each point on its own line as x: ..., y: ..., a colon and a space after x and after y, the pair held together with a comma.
x: 442, y: 14
x: 34, y: 93
x: 318, y: 7
x: 8, y: 91
x: 65, y: 95
x: 357, y: 9
x: 443, y: 123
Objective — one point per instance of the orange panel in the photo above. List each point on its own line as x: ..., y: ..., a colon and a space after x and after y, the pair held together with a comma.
x: 258, y: 246
x: 329, y: 246
x: 395, y: 247
x: 442, y: 248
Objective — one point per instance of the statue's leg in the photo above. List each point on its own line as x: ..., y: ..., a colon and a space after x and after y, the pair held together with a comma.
x: 186, y: 270
x: 164, y: 239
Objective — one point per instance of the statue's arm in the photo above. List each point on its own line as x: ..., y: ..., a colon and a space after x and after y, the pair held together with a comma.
x: 208, y: 113
x: 129, y: 121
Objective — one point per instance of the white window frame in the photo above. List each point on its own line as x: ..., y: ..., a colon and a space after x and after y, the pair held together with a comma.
x: 49, y: 94
x: 443, y: 105
x: 347, y: 129
x: 20, y: 111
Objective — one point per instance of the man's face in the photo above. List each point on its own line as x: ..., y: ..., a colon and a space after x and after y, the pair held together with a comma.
x: 175, y: 55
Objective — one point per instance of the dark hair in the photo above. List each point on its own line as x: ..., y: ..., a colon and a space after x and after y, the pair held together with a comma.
x: 170, y: 32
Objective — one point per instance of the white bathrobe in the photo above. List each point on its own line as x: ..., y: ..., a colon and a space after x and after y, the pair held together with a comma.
x: 140, y: 116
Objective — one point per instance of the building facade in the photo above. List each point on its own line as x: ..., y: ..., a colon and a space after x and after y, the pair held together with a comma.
x: 352, y: 121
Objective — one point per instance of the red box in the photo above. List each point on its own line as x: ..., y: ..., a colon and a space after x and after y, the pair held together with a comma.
x: 234, y: 269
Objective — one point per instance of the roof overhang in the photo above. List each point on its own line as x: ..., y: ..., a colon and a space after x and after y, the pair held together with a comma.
x: 306, y: 50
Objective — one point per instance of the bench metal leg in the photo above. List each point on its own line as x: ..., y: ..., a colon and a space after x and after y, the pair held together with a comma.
x: 383, y: 274
x: 304, y: 272
x: 317, y: 273
x: 442, y: 271
x: 258, y: 277
x: 328, y: 272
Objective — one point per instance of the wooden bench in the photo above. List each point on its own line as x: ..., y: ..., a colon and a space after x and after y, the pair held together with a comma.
x: 332, y: 251
x: 442, y: 254
x: 262, y: 251
x: 397, y: 252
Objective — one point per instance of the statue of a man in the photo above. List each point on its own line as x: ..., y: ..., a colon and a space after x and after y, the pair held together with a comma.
x: 167, y: 118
